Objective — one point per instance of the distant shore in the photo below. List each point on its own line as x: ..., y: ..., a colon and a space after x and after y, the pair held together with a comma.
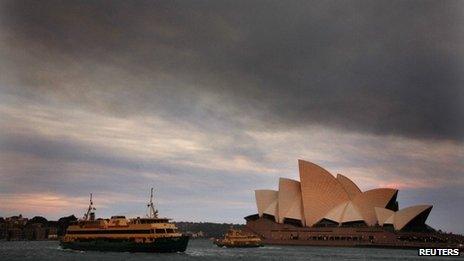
x: 17, y: 228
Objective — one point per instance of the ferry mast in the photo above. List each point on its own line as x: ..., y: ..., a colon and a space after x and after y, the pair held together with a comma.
x: 152, y: 212
x: 90, y: 214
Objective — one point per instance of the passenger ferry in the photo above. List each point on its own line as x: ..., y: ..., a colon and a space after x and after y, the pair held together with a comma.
x: 150, y: 234
x: 239, y: 238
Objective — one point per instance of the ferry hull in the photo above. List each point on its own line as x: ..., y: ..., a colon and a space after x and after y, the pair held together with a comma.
x: 238, y: 245
x: 161, y: 245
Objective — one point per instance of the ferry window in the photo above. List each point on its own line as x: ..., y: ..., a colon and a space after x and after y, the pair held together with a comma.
x: 108, y: 231
x: 169, y: 230
x: 160, y: 231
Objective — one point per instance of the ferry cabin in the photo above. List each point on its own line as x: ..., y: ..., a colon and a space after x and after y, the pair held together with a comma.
x: 119, y: 228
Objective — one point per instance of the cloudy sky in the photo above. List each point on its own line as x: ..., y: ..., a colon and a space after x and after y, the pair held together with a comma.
x: 208, y: 100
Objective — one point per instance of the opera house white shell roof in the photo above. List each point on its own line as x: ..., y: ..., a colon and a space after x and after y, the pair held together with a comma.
x: 289, y: 200
x: 319, y: 196
x: 402, y: 217
x: 266, y: 201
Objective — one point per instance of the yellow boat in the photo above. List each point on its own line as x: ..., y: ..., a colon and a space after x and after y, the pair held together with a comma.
x: 239, y: 238
x: 150, y: 234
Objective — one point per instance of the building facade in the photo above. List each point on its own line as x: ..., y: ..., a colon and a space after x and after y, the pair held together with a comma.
x: 323, y: 209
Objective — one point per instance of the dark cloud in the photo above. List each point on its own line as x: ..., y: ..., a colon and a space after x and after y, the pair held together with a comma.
x: 384, y: 67
x: 73, y: 168
x: 209, y: 100
x: 128, y: 168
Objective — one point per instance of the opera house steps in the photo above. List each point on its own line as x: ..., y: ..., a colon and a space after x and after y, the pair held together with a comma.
x: 324, y: 210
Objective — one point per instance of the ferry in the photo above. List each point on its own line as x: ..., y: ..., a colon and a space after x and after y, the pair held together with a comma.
x: 239, y: 238
x: 148, y: 234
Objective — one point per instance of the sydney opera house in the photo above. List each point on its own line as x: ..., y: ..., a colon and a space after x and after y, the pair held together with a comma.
x: 322, y: 209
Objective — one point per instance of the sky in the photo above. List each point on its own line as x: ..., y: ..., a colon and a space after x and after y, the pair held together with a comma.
x: 207, y: 101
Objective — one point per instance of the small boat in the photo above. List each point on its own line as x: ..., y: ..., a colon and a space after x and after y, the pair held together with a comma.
x: 239, y: 238
x: 150, y: 234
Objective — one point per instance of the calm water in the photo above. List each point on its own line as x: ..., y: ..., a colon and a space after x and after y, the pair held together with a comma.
x: 205, y: 250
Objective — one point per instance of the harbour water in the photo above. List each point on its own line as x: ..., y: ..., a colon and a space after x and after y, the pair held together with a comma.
x: 199, y: 249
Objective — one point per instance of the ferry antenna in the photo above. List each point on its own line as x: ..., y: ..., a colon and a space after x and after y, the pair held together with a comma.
x: 88, y: 215
x: 152, y: 212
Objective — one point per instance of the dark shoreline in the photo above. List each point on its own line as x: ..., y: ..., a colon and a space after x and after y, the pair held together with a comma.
x: 19, y: 228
